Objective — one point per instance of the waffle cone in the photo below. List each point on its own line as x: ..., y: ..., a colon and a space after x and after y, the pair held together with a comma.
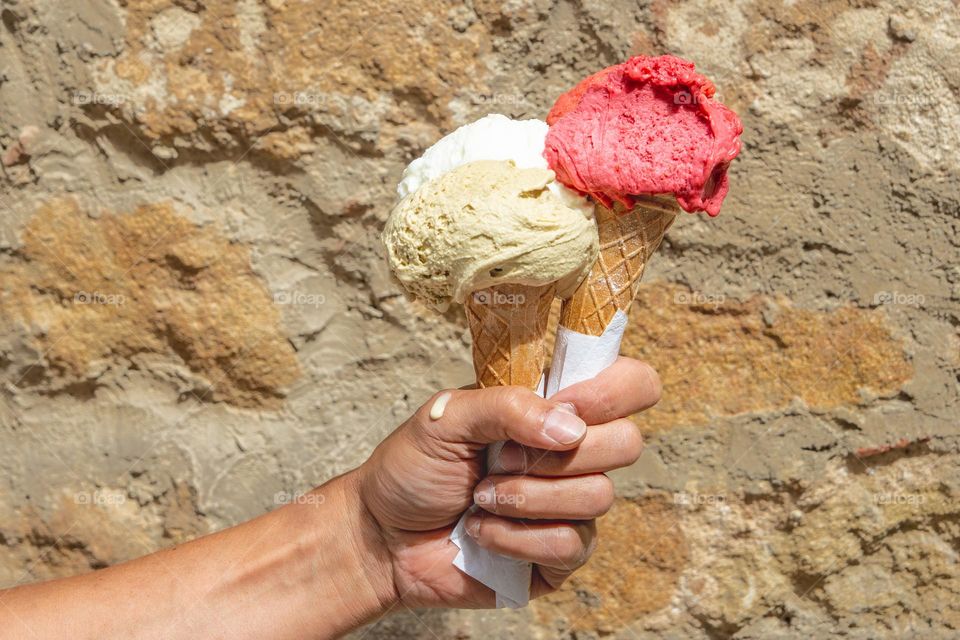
x: 509, y: 327
x: 628, y: 238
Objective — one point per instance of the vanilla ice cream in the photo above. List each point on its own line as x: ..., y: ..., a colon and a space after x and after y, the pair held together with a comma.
x: 493, y: 137
x: 486, y: 223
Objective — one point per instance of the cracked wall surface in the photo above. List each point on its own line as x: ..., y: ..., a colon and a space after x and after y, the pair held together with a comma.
x: 196, y: 322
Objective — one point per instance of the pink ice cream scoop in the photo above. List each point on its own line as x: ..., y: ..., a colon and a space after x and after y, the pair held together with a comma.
x: 646, y: 126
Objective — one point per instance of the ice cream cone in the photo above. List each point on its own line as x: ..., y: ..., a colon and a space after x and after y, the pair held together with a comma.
x: 628, y: 238
x: 509, y: 327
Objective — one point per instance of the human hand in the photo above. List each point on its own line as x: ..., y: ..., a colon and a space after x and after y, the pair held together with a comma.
x: 376, y: 537
x: 421, y: 479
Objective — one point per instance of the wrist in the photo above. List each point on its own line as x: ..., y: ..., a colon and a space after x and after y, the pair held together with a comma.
x: 368, y: 547
x: 323, y: 564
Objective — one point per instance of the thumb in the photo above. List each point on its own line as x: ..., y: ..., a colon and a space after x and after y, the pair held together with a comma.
x: 483, y: 416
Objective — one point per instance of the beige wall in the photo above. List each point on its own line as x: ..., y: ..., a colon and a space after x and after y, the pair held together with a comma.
x: 196, y: 323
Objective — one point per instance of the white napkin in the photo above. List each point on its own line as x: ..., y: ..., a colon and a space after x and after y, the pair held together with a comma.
x: 509, y: 578
x: 578, y: 357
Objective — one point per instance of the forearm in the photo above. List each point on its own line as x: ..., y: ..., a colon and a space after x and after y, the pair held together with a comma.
x: 314, y: 569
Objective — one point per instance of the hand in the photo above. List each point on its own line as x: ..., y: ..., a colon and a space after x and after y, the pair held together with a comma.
x: 421, y: 479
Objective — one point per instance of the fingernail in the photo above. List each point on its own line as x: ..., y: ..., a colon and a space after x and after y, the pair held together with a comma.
x: 473, y: 526
x: 563, y: 427
x: 512, y: 459
x: 485, y: 494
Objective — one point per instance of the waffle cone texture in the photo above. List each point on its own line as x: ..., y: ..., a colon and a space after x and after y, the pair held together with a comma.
x: 509, y: 328
x: 628, y: 239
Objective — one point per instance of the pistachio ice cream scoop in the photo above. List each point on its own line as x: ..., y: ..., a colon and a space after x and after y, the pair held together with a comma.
x: 487, y: 223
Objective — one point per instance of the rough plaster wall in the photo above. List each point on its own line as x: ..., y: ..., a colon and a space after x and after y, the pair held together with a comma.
x: 195, y: 322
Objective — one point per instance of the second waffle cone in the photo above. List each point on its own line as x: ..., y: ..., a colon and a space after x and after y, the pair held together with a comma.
x: 628, y: 238
x: 509, y: 327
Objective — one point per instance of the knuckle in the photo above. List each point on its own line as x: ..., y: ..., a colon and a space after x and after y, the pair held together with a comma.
x: 603, y: 494
x: 552, y: 579
x: 605, y: 401
x: 631, y: 440
x: 540, y: 461
x: 554, y: 462
x: 591, y: 542
x: 653, y: 386
x: 569, y: 546
x: 514, y: 402
x: 523, y: 459
x: 512, y: 497
x: 517, y: 408
x: 492, y: 534
x: 509, y: 498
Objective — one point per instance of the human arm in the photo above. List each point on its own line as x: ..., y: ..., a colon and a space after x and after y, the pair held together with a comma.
x: 376, y: 538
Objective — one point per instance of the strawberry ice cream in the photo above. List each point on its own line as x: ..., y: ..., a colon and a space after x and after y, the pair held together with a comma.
x: 647, y: 126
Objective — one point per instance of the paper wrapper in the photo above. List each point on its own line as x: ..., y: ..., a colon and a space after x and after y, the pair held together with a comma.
x: 578, y: 357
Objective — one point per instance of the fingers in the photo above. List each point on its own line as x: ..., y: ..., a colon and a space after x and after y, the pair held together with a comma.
x: 606, y: 447
x: 622, y: 389
x: 482, y: 416
x: 565, y: 546
x: 579, y: 498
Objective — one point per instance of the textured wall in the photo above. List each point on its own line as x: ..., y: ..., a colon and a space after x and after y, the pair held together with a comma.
x: 195, y: 322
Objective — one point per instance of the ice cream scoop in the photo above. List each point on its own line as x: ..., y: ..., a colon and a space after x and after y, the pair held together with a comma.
x: 644, y: 138
x: 493, y: 137
x: 483, y: 224
x: 649, y: 126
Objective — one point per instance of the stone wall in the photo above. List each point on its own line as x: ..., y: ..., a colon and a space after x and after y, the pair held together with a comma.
x: 196, y: 322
